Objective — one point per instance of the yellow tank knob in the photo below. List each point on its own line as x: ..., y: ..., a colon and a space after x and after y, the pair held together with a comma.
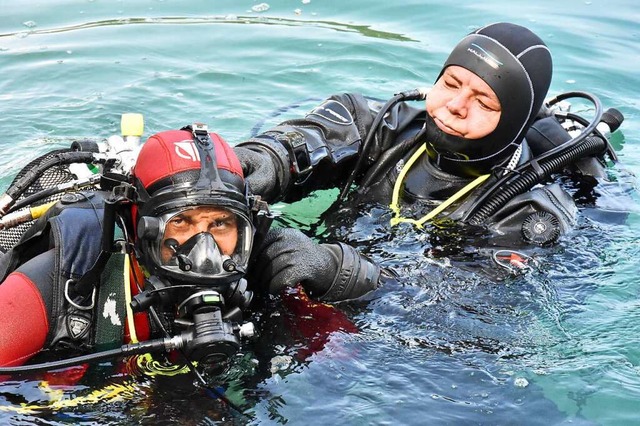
x: 132, y: 124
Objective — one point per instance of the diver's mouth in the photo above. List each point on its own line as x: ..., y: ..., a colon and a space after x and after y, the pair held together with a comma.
x: 448, y: 130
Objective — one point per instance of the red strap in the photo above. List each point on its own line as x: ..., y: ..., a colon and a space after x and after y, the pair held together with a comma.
x: 140, y: 319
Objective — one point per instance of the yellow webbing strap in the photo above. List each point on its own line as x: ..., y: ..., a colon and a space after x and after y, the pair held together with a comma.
x: 127, y: 298
x: 59, y: 400
x: 395, y: 207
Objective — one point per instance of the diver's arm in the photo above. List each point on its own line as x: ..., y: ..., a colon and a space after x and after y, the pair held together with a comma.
x: 356, y: 274
x: 302, y: 155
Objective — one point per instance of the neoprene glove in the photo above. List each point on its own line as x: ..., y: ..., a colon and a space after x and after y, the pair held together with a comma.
x: 264, y: 171
x: 328, y: 272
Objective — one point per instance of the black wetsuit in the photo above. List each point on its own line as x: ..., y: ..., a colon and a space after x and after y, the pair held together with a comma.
x: 320, y: 150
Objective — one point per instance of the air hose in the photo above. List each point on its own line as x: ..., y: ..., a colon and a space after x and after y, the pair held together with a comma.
x: 158, y: 345
x: 536, y: 172
x: 410, y: 95
x: 524, y: 177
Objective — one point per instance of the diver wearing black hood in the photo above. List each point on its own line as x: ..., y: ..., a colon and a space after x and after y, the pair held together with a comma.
x: 489, y: 93
x: 516, y: 65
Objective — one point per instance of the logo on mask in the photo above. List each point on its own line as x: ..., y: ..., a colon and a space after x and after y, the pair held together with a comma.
x: 187, y: 150
x: 487, y: 57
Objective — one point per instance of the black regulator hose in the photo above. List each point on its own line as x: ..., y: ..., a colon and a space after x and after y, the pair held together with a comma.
x: 524, y: 177
x: 590, y: 128
x: 38, y: 196
x: 34, y: 198
x: 612, y: 118
x: 18, y: 187
x: 158, y: 345
x: 410, y: 95
x: 536, y: 173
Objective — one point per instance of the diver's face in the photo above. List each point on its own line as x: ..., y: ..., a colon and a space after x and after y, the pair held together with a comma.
x: 463, y: 105
x: 219, y: 222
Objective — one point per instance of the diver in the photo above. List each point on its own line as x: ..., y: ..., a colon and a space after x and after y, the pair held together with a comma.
x: 481, y: 154
x: 172, y: 254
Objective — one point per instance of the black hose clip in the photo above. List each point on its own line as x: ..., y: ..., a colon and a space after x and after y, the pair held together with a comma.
x: 156, y: 291
x: 537, y: 170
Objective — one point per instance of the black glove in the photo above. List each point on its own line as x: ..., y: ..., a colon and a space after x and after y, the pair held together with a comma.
x: 328, y: 272
x: 265, y: 167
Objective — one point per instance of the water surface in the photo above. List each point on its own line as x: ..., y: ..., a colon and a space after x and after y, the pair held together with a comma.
x: 451, y: 343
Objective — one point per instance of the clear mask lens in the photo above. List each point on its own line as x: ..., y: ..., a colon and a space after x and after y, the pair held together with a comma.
x: 205, y: 242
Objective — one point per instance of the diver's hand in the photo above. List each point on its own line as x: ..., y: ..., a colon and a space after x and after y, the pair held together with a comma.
x: 266, y: 166
x: 288, y: 257
x: 330, y: 272
x: 258, y: 170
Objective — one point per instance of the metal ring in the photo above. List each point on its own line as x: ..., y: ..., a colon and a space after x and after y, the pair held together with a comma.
x: 74, y: 304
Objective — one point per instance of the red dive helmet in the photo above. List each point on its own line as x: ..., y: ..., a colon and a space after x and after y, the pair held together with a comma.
x: 179, y: 173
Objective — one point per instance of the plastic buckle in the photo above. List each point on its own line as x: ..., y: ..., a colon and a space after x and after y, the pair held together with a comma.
x: 297, y: 149
x: 200, y: 132
x: 200, y: 128
x: 124, y: 192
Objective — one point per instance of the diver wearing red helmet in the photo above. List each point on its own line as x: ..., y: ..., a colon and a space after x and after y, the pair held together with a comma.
x: 198, y: 233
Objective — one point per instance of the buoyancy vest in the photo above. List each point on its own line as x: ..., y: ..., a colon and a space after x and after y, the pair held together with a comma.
x: 72, y: 229
x: 425, y: 187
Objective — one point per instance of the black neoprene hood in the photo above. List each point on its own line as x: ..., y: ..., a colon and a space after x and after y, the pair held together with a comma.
x: 517, y: 65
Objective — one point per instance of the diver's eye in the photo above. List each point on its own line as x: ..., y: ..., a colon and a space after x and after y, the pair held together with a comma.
x: 486, y: 106
x: 178, y: 222
x: 450, y: 83
x: 222, y: 224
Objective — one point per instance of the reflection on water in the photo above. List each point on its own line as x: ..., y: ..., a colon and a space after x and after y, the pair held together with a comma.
x: 364, y: 30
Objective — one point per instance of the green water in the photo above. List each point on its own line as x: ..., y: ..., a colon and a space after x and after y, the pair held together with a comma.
x: 445, y: 346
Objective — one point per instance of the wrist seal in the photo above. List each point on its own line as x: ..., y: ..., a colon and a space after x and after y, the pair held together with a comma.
x: 357, y: 275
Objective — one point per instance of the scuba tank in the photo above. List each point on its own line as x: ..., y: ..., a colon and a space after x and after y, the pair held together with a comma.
x: 83, y: 165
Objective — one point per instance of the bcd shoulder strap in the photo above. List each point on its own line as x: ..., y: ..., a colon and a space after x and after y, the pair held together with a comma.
x: 111, y: 309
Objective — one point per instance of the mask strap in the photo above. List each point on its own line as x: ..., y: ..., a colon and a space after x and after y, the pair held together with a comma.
x: 209, y: 176
x: 395, y: 207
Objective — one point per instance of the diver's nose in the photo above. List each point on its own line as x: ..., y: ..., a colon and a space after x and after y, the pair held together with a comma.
x: 201, y: 226
x: 458, y: 104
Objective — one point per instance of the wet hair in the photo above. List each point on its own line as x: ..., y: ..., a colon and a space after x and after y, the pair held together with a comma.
x: 517, y: 65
